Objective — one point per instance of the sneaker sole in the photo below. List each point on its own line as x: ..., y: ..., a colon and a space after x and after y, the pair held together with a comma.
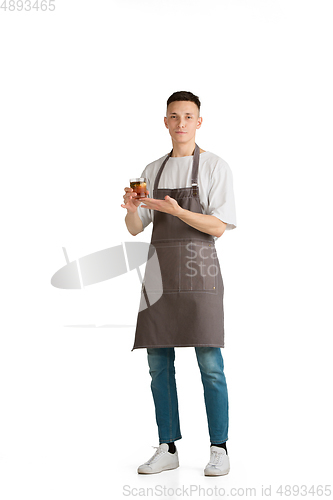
x: 158, y: 471
x: 222, y: 474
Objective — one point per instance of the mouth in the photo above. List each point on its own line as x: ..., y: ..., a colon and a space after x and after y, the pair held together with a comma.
x: 179, y: 132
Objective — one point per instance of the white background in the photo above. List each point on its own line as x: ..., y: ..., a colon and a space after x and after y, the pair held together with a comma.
x: 83, y: 95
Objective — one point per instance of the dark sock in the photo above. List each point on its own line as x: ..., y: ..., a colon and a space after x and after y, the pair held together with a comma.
x: 221, y: 445
x: 172, y: 447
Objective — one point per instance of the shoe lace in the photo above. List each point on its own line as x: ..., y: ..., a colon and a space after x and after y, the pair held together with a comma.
x: 157, y: 453
x: 215, y: 458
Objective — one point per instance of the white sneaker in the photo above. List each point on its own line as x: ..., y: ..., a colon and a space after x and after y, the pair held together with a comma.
x: 160, y: 461
x: 218, y: 464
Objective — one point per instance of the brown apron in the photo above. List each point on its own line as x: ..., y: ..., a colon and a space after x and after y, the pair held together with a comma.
x: 190, y: 311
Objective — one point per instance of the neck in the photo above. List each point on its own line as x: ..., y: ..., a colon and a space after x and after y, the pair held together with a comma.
x: 183, y: 149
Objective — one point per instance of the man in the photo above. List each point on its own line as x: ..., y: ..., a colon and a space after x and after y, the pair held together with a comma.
x: 192, y: 205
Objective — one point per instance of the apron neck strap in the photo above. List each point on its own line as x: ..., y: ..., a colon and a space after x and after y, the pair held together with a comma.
x: 195, y: 167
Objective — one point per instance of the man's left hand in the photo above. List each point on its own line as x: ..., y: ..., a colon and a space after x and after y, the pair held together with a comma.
x: 168, y: 205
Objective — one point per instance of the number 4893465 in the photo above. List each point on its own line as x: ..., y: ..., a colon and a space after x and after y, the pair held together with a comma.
x: 19, y: 5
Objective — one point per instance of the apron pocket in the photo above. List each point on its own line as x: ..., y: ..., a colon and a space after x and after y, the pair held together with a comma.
x: 188, y: 266
x: 169, y: 261
x: 200, y: 267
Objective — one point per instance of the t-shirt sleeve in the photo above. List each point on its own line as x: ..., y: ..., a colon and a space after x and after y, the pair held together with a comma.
x: 145, y: 214
x: 221, y: 198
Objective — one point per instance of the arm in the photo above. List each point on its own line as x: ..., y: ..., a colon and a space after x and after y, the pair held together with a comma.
x: 205, y: 223
x: 133, y: 223
x: 132, y: 219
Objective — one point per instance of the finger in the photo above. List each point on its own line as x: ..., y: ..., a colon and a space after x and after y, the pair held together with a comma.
x: 127, y: 199
x: 130, y: 196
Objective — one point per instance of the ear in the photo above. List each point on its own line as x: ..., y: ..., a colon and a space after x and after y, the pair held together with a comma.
x: 199, y: 122
x: 166, y: 122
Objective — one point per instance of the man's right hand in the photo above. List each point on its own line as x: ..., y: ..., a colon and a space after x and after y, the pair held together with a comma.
x: 129, y: 200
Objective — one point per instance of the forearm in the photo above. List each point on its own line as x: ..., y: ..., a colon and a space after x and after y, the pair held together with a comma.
x: 205, y: 223
x: 133, y: 223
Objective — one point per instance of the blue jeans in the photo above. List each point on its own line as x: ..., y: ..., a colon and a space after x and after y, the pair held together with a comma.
x: 163, y: 386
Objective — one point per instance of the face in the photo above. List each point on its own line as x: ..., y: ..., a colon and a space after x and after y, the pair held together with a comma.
x: 182, y: 120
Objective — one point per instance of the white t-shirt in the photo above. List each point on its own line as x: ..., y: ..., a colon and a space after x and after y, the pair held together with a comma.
x: 215, y: 183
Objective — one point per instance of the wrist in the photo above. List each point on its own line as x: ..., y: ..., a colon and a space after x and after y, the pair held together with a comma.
x: 180, y: 212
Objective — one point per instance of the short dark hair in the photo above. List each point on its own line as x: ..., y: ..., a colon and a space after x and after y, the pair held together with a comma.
x: 184, y: 96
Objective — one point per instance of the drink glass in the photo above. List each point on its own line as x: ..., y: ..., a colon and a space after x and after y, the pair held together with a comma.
x: 139, y: 186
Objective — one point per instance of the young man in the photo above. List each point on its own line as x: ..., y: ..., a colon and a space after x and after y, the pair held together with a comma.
x: 192, y: 204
